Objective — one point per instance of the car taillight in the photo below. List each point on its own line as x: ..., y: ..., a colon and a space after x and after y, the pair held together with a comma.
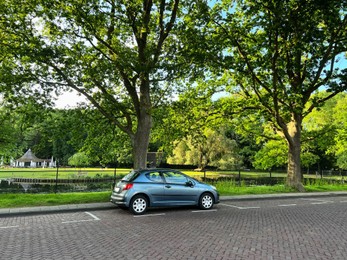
x: 128, y: 186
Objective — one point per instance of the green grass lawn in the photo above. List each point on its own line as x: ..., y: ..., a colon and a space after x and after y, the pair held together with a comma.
x: 69, y: 173
x: 32, y: 200
x: 63, y: 173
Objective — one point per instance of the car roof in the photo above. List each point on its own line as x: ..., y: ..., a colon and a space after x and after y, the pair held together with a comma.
x: 156, y: 169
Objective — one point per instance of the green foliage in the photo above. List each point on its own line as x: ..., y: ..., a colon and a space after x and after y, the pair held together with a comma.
x: 182, y: 127
x: 216, y: 150
x: 79, y: 160
x: 127, y: 57
x: 340, y: 121
x: 281, y: 53
x: 59, y: 134
x: 9, y: 135
x: 16, y: 127
x: 120, y: 55
x: 273, y: 154
x: 105, y: 144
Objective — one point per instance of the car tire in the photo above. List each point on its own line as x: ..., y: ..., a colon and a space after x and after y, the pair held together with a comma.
x: 138, y: 205
x: 206, y: 201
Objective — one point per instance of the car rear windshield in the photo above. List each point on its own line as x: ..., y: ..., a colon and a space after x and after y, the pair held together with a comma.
x: 131, y: 176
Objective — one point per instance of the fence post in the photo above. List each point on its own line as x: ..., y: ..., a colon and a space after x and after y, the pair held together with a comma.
x: 114, y: 175
x: 56, y: 177
x: 239, y: 177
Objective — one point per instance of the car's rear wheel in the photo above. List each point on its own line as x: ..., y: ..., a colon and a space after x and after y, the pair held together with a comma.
x: 138, y: 205
x: 206, y: 201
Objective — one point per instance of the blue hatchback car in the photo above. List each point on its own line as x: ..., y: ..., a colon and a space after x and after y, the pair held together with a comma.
x: 141, y: 189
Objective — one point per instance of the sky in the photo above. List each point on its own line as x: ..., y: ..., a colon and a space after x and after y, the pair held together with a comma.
x: 69, y: 99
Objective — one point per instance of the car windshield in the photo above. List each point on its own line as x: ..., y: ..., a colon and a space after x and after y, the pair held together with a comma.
x: 131, y: 176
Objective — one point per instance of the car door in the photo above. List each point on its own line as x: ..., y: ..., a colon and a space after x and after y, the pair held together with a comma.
x: 154, y: 187
x: 179, y: 189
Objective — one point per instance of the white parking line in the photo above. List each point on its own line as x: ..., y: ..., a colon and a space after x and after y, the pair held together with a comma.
x: 286, y: 205
x: 9, y: 227
x: 95, y: 218
x: 149, y: 215
x: 77, y: 221
x: 343, y: 201
x: 233, y: 206
x: 203, y: 211
x: 319, y: 201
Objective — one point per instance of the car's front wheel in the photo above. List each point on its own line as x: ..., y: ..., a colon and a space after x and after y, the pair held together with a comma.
x: 138, y: 205
x: 206, y: 201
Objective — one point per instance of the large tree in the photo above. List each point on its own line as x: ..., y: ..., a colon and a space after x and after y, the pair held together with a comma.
x: 116, y: 53
x: 282, y: 52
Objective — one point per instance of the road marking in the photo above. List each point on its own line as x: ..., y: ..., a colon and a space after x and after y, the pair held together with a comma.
x: 203, y: 211
x: 343, y: 201
x: 149, y: 215
x: 319, y: 201
x: 286, y: 205
x: 233, y: 206
x: 92, y: 215
x: 95, y: 218
x: 77, y: 221
x: 322, y: 202
x: 9, y: 227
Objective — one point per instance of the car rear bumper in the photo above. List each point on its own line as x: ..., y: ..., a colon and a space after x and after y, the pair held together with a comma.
x: 118, y: 200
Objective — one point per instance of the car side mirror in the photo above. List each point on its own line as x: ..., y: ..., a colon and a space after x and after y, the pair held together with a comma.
x: 189, y: 184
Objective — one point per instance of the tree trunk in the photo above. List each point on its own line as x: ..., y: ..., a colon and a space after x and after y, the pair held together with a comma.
x: 293, y: 136
x: 144, y: 125
x: 141, y: 141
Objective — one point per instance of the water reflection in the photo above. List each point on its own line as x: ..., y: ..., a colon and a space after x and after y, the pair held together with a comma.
x: 6, y: 186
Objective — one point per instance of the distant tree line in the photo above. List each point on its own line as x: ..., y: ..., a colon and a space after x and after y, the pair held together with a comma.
x: 81, y: 137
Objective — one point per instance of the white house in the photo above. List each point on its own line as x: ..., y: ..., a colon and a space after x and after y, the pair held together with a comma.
x: 29, y: 160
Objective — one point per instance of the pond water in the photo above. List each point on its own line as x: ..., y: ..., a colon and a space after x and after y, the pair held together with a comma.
x: 7, y: 186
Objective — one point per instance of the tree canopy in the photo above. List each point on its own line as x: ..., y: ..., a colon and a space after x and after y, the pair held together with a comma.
x: 282, y: 52
x: 279, y: 60
x: 115, y: 53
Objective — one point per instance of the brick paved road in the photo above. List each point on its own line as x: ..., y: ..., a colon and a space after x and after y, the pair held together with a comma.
x: 263, y: 229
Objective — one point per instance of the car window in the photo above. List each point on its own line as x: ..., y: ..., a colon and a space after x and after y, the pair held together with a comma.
x: 175, y: 177
x: 131, y: 176
x: 154, y: 176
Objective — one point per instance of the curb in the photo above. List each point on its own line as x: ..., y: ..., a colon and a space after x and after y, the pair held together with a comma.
x: 283, y: 195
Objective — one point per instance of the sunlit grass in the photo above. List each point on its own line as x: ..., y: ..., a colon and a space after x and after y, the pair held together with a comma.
x: 32, y: 200
x: 63, y: 173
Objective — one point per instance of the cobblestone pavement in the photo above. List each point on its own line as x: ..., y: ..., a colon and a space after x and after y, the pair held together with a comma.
x: 296, y: 228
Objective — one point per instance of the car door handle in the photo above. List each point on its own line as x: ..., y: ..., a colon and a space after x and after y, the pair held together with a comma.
x: 168, y: 186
